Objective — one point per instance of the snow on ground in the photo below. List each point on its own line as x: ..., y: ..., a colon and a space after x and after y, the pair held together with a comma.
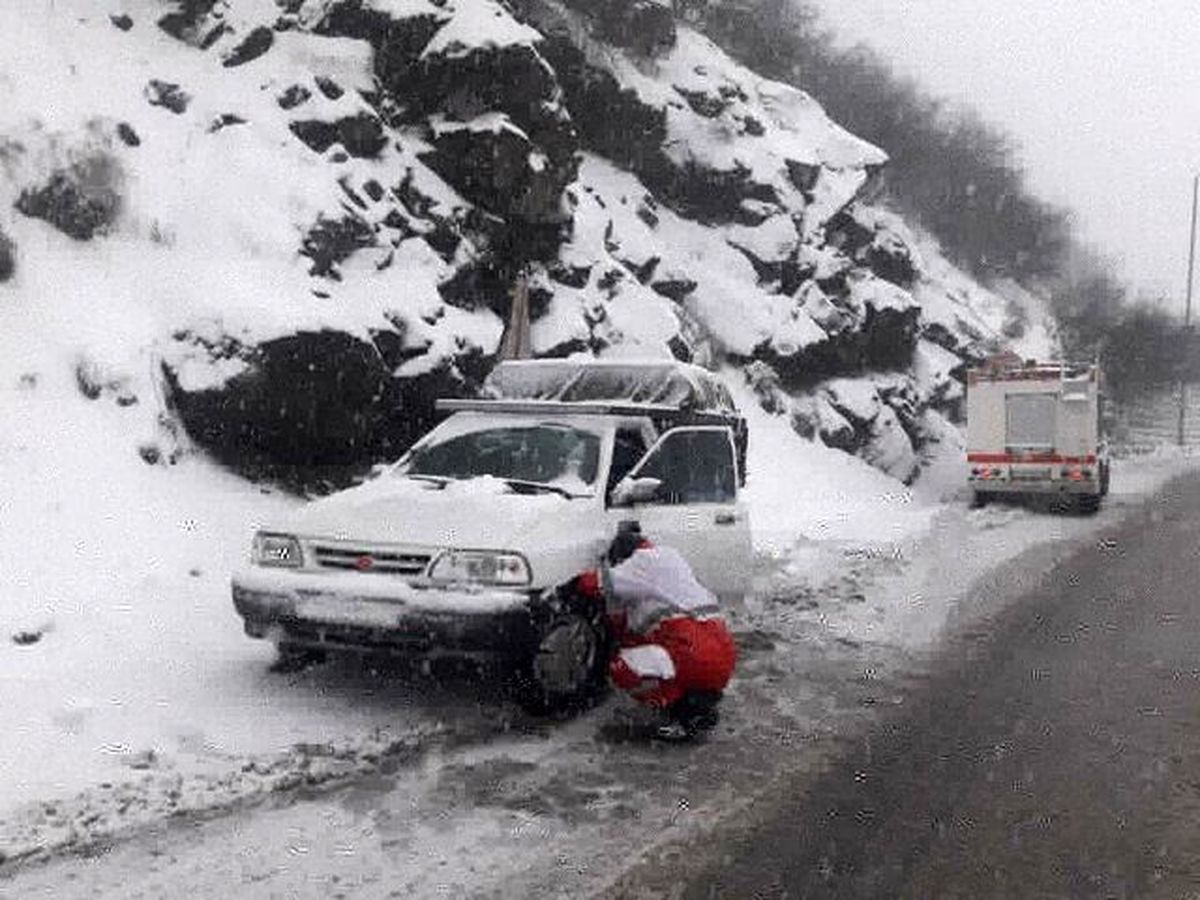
x: 801, y: 491
x: 135, y: 694
x: 563, y: 810
x: 121, y: 659
x: 906, y: 590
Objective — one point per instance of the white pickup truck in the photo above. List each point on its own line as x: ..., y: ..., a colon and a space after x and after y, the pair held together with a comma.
x: 459, y: 549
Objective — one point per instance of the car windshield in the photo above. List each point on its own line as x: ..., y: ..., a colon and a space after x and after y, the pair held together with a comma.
x: 557, y: 456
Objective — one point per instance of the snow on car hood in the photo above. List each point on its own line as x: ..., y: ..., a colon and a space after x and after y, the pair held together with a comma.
x: 481, y: 513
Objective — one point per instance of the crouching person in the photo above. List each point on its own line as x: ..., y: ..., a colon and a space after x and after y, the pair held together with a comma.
x: 674, y: 652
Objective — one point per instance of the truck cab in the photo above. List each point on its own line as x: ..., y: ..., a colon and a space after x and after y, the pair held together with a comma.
x: 460, y: 548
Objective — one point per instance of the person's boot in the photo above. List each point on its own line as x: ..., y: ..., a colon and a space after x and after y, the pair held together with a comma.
x: 691, y: 716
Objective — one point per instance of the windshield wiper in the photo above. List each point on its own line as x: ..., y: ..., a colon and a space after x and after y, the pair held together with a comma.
x: 533, y: 486
x: 439, y: 480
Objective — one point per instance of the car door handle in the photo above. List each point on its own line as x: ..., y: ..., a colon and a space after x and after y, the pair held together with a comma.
x: 725, y: 518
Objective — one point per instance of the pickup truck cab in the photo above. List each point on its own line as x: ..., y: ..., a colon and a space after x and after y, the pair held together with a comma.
x: 461, y: 548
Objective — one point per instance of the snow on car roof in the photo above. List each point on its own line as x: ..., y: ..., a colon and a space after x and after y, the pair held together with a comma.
x: 652, y: 382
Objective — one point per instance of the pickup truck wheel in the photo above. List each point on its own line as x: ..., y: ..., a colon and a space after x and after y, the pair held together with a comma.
x: 568, y: 668
x: 292, y: 658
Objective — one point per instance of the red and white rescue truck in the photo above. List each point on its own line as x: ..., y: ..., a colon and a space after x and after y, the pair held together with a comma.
x: 1036, y: 429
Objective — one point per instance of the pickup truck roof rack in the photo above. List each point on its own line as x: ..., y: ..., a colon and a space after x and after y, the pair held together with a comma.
x: 673, y: 414
x: 670, y: 393
x: 655, y: 382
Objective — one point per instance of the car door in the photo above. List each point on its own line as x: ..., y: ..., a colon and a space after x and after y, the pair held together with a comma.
x: 696, y: 509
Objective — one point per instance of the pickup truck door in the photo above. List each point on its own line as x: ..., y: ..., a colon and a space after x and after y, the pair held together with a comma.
x: 696, y: 510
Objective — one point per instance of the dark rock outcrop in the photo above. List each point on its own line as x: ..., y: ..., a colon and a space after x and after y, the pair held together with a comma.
x: 361, y: 135
x: 330, y: 241
x: 167, y: 95
x: 81, y: 202
x: 884, y: 341
x: 8, y: 257
x: 315, y: 400
x: 498, y: 171
x: 128, y: 136
x: 254, y: 45
x: 293, y: 96
x: 191, y: 23
x: 884, y: 253
x: 642, y: 26
x: 506, y: 142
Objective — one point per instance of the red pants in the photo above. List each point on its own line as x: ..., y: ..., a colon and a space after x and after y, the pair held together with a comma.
x: 702, y: 653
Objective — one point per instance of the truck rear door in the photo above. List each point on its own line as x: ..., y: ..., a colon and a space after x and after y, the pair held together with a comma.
x: 1031, y: 422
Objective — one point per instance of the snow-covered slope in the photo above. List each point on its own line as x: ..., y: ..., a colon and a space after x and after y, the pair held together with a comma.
x: 307, y: 216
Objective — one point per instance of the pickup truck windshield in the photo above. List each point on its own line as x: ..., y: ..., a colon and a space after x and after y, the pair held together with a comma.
x: 553, y: 455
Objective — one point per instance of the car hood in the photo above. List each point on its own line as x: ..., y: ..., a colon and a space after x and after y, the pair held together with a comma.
x: 482, y: 513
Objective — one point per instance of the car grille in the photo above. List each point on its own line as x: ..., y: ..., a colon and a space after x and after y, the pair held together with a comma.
x: 370, y: 561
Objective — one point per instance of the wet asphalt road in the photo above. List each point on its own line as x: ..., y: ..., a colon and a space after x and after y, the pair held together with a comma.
x: 1053, y: 753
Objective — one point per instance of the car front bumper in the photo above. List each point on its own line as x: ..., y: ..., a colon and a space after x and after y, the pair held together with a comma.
x: 376, y: 614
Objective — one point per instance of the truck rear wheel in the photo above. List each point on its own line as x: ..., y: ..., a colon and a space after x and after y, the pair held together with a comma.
x: 980, y: 499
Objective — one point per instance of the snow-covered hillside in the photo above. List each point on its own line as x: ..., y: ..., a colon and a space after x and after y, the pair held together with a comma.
x: 287, y: 226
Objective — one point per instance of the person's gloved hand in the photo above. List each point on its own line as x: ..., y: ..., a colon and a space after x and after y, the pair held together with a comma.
x: 589, y: 584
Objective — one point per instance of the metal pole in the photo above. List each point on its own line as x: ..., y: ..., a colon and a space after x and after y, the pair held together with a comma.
x: 1187, y: 311
x: 515, y: 343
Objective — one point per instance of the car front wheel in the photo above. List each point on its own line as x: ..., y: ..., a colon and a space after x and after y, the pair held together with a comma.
x: 567, y: 670
x: 295, y: 658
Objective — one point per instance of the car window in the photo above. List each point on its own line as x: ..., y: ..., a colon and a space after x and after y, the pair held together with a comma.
x: 628, y: 448
x: 546, y: 454
x: 694, y: 466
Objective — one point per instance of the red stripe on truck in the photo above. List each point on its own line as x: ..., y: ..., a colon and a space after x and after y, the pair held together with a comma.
x: 1030, y: 458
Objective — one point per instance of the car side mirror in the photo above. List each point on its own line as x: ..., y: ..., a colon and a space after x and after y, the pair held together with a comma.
x: 635, y: 490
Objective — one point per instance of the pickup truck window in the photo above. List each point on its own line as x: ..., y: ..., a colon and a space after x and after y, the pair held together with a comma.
x: 628, y: 449
x: 694, y: 466
x: 544, y: 454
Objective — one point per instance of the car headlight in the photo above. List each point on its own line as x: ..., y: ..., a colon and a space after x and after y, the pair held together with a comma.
x: 481, y: 567
x: 277, y: 550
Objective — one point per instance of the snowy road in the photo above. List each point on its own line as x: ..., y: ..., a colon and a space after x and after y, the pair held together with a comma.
x: 480, y: 801
x: 1050, y: 754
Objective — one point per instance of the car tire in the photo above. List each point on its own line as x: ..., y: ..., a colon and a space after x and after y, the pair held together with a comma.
x: 566, y: 671
x: 980, y: 499
x: 1089, y: 504
x: 295, y: 658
